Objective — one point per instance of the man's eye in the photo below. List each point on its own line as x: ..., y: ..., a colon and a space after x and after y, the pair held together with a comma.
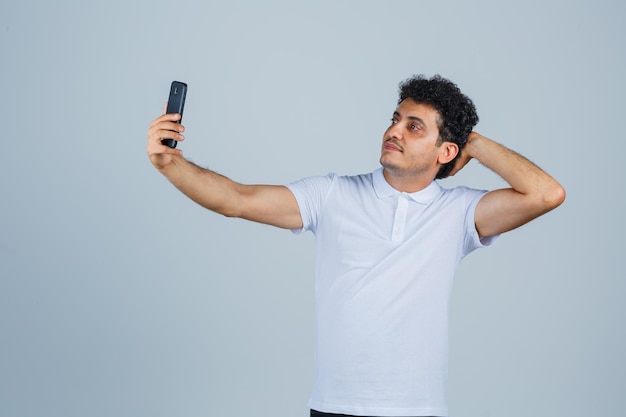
x: 415, y: 127
x: 394, y: 121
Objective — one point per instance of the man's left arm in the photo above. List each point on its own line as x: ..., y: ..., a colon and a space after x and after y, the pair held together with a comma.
x: 533, y: 192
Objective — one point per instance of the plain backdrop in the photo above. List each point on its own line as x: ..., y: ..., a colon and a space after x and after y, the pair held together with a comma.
x: 120, y: 297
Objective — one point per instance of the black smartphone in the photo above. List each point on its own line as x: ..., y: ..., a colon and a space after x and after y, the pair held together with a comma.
x: 176, y: 104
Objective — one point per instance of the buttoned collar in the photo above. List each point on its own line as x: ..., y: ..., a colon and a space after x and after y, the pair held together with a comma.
x: 384, y: 190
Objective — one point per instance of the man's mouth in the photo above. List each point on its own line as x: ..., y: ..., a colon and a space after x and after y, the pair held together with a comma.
x: 391, y: 145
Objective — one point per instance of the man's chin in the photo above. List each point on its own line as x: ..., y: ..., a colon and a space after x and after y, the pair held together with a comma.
x: 387, y: 163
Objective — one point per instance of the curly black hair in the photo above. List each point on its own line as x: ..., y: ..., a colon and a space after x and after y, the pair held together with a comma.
x: 457, y: 113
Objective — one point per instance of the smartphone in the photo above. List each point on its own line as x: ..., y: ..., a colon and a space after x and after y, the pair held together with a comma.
x: 176, y: 104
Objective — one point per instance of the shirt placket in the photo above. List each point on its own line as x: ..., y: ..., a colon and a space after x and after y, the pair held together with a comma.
x: 399, y: 221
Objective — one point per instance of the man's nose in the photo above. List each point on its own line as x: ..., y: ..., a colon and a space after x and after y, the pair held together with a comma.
x: 395, y: 131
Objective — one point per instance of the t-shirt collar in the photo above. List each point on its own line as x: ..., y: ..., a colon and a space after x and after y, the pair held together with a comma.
x: 384, y: 190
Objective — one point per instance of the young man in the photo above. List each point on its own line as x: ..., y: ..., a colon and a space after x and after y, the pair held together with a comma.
x: 388, y: 244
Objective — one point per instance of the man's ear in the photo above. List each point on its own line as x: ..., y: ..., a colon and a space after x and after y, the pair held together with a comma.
x: 447, y: 152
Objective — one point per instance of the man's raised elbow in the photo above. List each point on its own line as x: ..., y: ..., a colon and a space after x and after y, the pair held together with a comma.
x: 554, y: 196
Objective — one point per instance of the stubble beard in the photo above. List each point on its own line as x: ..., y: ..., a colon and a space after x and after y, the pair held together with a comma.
x: 398, y: 171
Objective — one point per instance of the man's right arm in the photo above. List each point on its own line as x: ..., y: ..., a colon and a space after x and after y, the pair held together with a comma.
x: 269, y: 204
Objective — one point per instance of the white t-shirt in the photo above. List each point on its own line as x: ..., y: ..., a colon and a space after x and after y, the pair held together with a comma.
x: 385, y: 264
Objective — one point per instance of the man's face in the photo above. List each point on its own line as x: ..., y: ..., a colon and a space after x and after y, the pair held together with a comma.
x: 410, y: 142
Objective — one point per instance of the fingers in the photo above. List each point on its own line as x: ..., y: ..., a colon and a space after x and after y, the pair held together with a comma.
x: 155, y: 146
x: 165, y: 127
x: 166, y: 131
x: 156, y: 136
x: 161, y: 155
x: 168, y: 117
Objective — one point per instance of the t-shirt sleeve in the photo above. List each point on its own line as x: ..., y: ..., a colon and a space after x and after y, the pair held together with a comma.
x: 310, y: 194
x: 472, y: 239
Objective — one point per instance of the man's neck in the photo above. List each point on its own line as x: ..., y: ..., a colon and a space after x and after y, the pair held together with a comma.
x: 408, y: 183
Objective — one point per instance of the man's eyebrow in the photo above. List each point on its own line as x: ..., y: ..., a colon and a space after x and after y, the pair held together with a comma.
x: 417, y: 119
x: 414, y: 118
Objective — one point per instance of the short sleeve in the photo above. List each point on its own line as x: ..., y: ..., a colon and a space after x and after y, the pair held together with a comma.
x: 310, y: 194
x: 472, y: 239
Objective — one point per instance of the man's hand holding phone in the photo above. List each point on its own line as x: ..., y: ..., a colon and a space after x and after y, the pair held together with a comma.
x: 166, y: 126
x: 166, y: 131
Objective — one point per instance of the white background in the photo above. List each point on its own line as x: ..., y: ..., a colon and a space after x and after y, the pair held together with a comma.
x: 120, y: 297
